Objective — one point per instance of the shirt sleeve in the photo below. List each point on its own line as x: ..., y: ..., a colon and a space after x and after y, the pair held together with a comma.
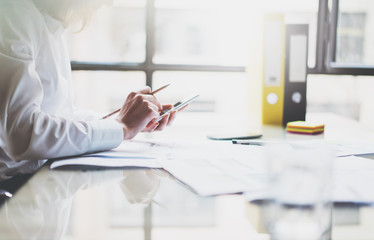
x: 85, y: 114
x: 28, y: 133
x: 32, y: 134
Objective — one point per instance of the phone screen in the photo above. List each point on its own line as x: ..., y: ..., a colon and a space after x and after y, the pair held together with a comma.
x: 178, y: 106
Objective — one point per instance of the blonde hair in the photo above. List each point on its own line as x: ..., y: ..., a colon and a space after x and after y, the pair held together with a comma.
x: 71, y: 12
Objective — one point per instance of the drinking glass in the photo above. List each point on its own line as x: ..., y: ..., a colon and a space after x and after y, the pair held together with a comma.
x: 299, y: 205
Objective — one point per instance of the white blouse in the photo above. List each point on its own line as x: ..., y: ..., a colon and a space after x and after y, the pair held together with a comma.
x: 37, y: 117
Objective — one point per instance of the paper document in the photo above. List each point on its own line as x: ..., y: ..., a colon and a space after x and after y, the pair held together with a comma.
x: 207, y: 167
x: 342, y: 147
x: 352, y: 179
x: 128, y: 154
x: 212, y: 168
x: 107, y: 162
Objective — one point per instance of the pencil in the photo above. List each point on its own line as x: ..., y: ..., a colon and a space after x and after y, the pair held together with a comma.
x: 159, y: 89
x: 153, y: 92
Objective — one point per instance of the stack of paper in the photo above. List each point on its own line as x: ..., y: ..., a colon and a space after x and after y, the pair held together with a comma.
x: 305, y: 127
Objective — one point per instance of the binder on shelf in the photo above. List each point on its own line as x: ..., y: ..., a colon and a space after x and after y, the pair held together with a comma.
x: 273, y: 72
x: 294, y: 107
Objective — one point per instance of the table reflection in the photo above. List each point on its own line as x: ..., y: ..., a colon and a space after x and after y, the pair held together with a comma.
x: 42, y: 208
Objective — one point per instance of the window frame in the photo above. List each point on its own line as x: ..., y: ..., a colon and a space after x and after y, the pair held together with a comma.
x: 328, y: 14
x: 148, y: 66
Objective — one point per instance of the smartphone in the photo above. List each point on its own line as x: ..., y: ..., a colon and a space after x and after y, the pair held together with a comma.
x: 178, y: 106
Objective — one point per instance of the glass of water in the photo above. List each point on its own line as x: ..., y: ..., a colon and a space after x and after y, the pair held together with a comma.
x: 299, y: 205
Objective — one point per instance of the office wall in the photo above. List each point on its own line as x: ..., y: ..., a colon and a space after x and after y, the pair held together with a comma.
x: 346, y: 95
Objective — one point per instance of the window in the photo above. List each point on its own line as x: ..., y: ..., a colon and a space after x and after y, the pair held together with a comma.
x: 345, y: 42
x: 145, y: 42
x: 151, y: 42
x: 350, y: 38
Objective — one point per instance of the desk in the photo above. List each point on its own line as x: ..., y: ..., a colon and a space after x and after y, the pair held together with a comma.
x: 113, y: 204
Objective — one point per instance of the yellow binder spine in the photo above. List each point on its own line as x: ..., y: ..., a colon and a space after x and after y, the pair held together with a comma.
x: 273, y: 69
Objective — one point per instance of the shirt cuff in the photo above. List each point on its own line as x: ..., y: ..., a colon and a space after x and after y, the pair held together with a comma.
x: 106, y: 134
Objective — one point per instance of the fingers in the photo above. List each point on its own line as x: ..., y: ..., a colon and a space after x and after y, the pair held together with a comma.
x: 167, y: 119
x: 151, y: 126
x: 152, y: 107
x: 182, y: 108
x: 141, y: 112
x: 144, y: 107
x: 172, y: 117
x: 146, y: 95
x: 166, y: 108
x: 153, y: 100
x: 163, y: 122
x: 146, y: 90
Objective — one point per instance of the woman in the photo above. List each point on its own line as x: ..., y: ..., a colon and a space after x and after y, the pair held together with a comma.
x: 37, y: 118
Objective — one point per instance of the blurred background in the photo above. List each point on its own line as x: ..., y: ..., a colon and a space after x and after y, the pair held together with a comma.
x: 214, y: 48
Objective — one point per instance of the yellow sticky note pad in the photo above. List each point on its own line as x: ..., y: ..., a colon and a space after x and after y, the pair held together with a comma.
x: 305, y: 127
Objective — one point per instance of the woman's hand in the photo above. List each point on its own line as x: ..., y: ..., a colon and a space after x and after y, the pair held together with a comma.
x: 140, y: 112
x: 167, y: 120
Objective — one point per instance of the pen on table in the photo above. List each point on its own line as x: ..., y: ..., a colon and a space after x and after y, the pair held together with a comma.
x: 159, y: 204
x: 153, y: 92
x: 247, y: 142
x: 5, y: 194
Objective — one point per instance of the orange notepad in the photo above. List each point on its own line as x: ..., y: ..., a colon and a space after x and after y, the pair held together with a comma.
x: 305, y: 127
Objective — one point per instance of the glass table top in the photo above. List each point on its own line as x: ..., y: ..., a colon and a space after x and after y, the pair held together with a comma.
x: 120, y: 204
x: 146, y: 204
